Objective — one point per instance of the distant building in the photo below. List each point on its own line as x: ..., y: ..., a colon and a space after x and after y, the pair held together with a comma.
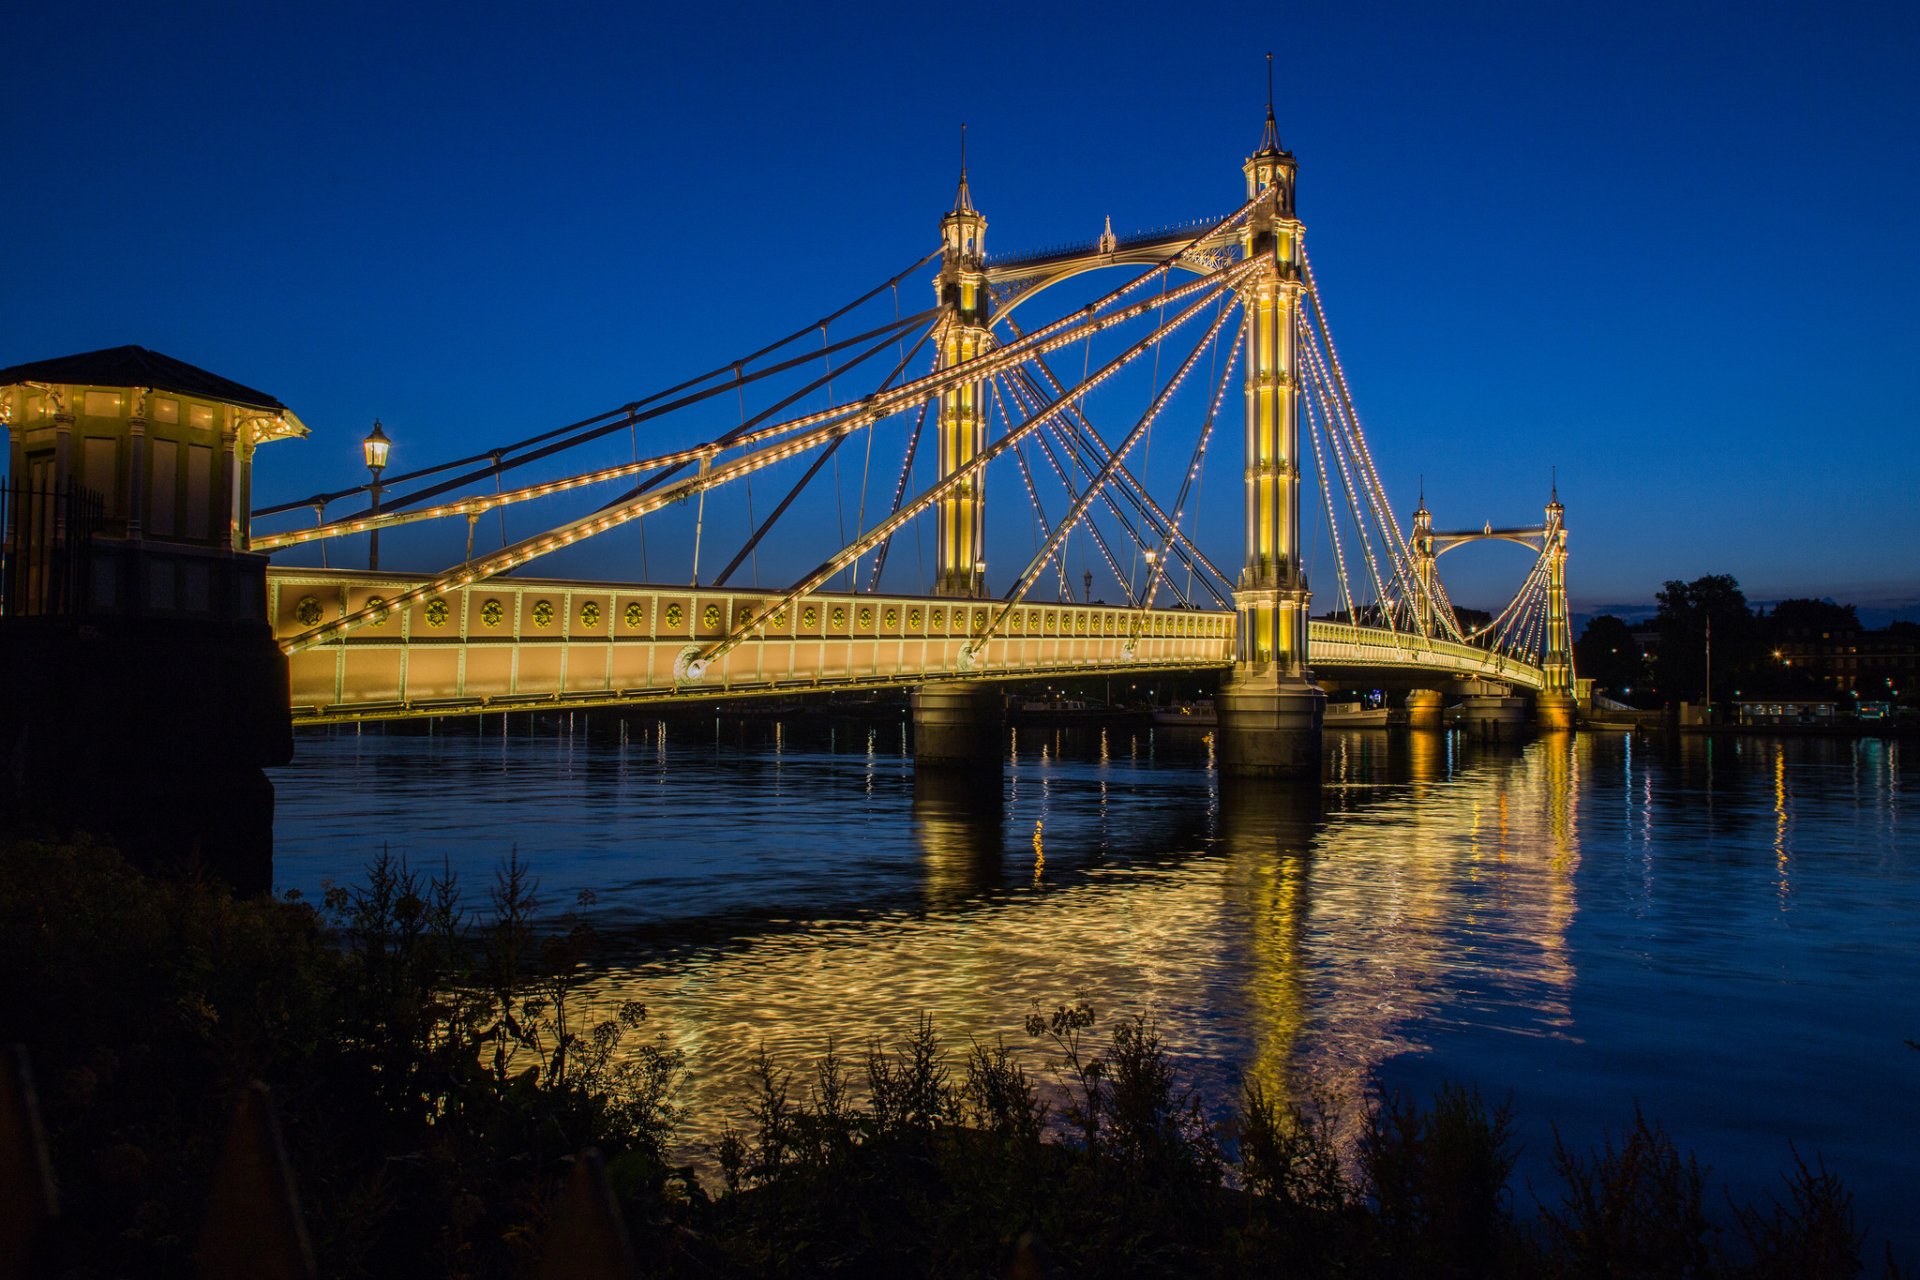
x: 1883, y: 664
x: 1777, y: 712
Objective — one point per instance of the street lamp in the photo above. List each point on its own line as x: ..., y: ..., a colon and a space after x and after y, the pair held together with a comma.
x: 374, y: 449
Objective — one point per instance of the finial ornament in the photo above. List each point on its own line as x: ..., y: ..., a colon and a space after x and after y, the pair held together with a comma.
x: 963, y: 198
x: 1270, y: 140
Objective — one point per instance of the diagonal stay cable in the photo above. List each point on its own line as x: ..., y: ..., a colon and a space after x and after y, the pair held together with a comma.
x: 824, y: 426
x: 1081, y: 504
x: 1066, y: 482
x: 1073, y: 448
x: 1086, y: 436
x: 480, y: 504
x: 624, y: 411
x: 761, y: 532
x: 1213, y: 283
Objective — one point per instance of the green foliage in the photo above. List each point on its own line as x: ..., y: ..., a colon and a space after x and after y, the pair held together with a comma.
x: 1607, y: 652
x: 1687, y: 611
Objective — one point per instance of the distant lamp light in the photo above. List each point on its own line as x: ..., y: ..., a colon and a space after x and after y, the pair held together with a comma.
x: 375, y: 447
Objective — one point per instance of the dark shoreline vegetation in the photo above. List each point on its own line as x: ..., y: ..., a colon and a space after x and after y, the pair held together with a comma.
x: 435, y: 1076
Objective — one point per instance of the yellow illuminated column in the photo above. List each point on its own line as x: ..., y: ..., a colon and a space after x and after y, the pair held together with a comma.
x: 1269, y: 709
x: 1272, y: 596
x: 1423, y: 564
x: 1557, y: 661
x: 960, y: 532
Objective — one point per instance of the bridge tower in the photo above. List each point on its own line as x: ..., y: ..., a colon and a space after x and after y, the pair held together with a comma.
x: 1423, y: 558
x: 1425, y: 707
x: 1269, y: 707
x: 1556, y: 703
x: 959, y: 722
x: 960, y: 532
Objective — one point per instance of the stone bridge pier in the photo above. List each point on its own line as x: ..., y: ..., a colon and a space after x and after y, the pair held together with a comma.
x: 959, y: 724
x: 1492, y: 710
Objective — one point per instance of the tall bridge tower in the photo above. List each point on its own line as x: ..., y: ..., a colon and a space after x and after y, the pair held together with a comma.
x: 959, y: 721
x: 1270, y: 710
x: 1555, y: 704
x: 1423, y: 558
x: 960, y: 529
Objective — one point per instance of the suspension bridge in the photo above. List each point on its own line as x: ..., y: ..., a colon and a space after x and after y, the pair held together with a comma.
x: 1055, y: 374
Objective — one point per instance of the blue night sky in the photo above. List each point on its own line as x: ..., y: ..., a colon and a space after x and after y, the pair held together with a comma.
x: 1665, y: 248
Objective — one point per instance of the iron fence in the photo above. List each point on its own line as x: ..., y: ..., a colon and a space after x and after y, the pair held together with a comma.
x: 46, y: 548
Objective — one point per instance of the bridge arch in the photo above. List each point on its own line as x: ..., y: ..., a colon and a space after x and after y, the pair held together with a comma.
x: 1057, y: 273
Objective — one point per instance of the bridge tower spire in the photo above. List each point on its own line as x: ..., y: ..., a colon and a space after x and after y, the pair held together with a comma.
x: 1555, y: 705
x: 1270, y: 709
x: 960, y: 532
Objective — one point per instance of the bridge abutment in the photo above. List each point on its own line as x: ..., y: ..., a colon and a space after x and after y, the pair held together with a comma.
x: 958, y: 724
x: 150, y: 734
x: 141, y: 690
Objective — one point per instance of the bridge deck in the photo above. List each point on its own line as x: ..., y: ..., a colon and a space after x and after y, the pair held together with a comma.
x: 519, y: 643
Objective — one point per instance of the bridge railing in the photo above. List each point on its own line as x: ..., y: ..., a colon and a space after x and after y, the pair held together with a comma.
x: 1342, y: 643
x: 514, y: 642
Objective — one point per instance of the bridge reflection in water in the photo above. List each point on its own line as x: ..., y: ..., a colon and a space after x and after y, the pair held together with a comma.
x: 1299, y: 934
x: 1744, y: 924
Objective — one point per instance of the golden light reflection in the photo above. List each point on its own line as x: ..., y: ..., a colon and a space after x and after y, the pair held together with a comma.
x: 1780, y: 820
x: 1317, y: 935
x: 957, y: 821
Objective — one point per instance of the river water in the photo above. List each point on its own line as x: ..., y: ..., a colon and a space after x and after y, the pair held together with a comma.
x: 1724, y: 931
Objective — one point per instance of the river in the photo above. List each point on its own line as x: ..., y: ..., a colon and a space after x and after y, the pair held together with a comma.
x: 1725, y: 932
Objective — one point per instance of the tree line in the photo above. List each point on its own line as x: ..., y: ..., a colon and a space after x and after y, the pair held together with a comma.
x: 1747, y: 645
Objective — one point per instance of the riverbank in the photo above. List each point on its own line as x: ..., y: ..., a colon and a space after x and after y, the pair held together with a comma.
x: 435, y: 1073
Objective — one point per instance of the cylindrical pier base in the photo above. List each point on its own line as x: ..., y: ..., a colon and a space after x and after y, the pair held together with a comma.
x: 958, y: 723
x: 1269, y: 724
x: 1554, y: 711
x: 1424, y: 709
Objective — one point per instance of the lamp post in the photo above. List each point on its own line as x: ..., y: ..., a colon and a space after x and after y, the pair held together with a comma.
x: 1709, y: 669
x: 374, y: 449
